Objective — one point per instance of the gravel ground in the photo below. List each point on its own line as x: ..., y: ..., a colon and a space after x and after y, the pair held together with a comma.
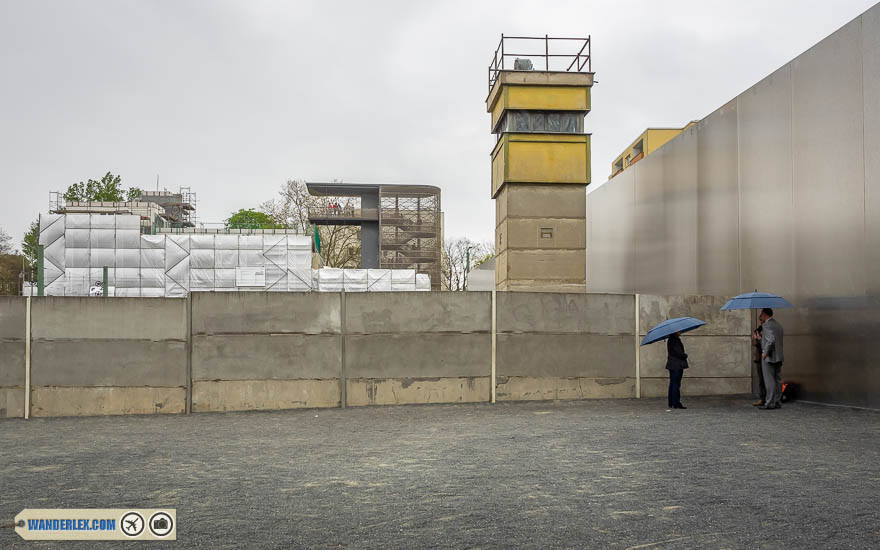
x: 613, y: 474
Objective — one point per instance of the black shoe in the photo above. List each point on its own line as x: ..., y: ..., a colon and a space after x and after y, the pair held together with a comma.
x: 679, y: 406
x: 766, y: 408
x: 778, y: 406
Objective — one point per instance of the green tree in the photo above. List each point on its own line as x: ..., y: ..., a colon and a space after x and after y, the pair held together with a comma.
x: 30, y: 242
x: 107, y: 189
x: 251, y: 219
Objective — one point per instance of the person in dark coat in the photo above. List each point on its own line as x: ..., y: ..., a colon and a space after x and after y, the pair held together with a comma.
x: 676, y: 362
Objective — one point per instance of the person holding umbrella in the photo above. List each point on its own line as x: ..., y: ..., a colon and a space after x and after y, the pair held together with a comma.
x: 676, y: 358
x: 770, y: 342
x: 676, y: 362
x: 771, y: 358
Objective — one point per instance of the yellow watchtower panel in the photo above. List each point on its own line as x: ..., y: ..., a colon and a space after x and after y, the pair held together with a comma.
x: 540, y: 162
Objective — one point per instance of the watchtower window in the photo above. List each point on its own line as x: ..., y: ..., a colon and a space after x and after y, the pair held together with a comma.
x: 562, y: 122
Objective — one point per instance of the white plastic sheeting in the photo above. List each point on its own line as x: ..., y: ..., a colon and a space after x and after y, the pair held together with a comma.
x: 79, y: 246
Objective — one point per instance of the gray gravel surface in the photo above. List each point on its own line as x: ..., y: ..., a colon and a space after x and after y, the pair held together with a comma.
x: 586, y: 474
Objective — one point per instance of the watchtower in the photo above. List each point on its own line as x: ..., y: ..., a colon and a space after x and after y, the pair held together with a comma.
x: 539, y: 94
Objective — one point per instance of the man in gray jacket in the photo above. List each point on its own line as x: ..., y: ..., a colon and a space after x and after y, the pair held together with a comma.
x: 771, y: 358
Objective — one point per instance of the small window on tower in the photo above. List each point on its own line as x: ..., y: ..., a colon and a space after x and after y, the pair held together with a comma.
x: 546, y: 232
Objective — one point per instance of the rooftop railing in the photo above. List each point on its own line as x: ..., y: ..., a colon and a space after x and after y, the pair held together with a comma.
x: 537, y: 50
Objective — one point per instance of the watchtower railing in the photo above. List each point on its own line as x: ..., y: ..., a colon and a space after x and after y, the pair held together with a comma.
x: 575, y: 60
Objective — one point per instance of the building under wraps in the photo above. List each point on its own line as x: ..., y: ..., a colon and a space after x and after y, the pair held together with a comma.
x: 77, y: 248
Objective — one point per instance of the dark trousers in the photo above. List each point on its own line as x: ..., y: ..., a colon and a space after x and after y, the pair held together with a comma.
x: 675, y: 387
x: 763, y: 387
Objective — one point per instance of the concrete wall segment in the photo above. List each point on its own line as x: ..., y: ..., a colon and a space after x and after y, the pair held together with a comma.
x: 406, y: 312
x: 73, y: 318
x: 260, y: 312
x: 418, y: 355
x: 533, y: 312
x: 266, y: 357
x: 566, y: 355
x: 108, y: 363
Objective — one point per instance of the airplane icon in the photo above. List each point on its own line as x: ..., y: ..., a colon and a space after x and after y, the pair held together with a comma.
x: 132, y: 524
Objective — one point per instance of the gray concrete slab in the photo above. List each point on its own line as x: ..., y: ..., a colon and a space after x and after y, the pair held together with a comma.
x: 108, y: 363
x: 12, y: 317
x: 612, y: 474
x: 708, y: 356
x: 70, y: 317
x: 407, y: 312
x: 266, y: 312
x: 653, y: 310
x: 537, y: 312
x: 12, y: 363
x: 423, y: 355
x: 566, y: 355
x: 266, y: 357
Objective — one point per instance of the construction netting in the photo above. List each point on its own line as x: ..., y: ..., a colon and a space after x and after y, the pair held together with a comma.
x: 77, y: 248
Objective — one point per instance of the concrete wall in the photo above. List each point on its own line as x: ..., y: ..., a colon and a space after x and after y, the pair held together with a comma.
x: 12, y: 356
x: 255, y: 350
x: 718, y: 352
x: 777, y: 190
x: 565, y: 346
x: 418, y: 347
x: 120, y: 356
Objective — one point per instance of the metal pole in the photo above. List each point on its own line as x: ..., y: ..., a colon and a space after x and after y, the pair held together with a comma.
x: 494, y: 347
x: 27, y: 359
x: 343, y: 390
x: 104, y: 290
x: 547, y: 52
x: 638, y: 365
x: 40, y: 272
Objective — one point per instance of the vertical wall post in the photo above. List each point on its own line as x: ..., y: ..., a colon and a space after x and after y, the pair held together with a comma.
x: 106, y: 282
x: 343, y: 397
x: 638, y: 366
x: 189, y: 351
x: 41, y: 272
x: 27, y: 359
x: 494, y: 346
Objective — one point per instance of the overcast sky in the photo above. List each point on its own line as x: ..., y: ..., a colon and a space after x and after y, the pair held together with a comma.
x: 234, y: 98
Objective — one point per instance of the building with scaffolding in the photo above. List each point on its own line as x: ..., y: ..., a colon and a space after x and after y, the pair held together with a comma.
x: 401, y: 225
x: 157, y: 210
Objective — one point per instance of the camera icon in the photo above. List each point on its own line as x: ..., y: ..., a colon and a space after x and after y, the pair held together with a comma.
x: 161, y: 524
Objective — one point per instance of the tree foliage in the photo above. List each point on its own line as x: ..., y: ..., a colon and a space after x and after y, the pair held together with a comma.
x: 340, y: 244
x: 108, y: 188
x: 251, y: 219
x: 455, y: 257
x: 29, y: 244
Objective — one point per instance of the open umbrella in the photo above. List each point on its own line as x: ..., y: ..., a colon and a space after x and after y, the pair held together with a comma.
x: 756, y: 300
x: 667, y: 328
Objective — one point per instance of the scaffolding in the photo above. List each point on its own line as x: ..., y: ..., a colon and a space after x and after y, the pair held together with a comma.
x: 410, y: 232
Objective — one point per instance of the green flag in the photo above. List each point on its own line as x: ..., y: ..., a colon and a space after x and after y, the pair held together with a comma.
x: 317, y: 240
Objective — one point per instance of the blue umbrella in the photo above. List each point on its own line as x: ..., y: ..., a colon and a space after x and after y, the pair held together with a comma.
x: 756, y: 300
x: 667, y: 328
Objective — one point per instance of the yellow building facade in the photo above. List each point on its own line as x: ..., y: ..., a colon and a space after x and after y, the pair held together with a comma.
x: 649, y: 141
x: 540, y: 170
